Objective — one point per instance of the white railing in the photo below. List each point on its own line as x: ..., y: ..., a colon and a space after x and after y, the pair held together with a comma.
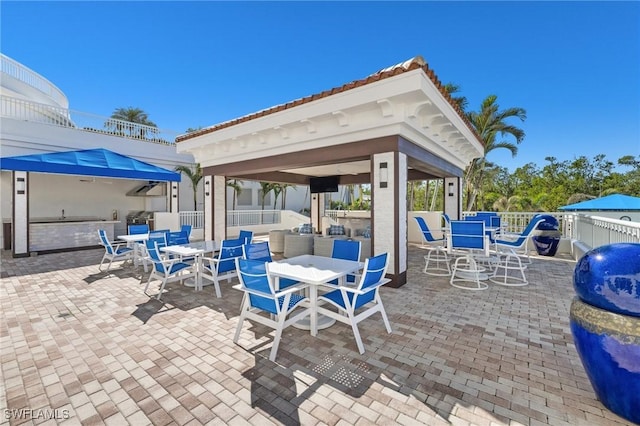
x: 20, y: 109
x: 595, y: 231
x: 28, y: 76
x: 23, y: 110
x: 335, y: 214
x: 193, y: 218
x: 235, y: 218
x: 253, y: 217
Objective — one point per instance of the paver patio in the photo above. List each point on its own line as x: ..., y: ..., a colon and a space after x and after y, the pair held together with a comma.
x: 89, y: 347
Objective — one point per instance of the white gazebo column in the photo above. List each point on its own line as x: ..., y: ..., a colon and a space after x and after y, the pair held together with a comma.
x: 20, y: 219
x: 389, y: 212
x: 317, y: 211
x: 217, y: 229
x: 173, y: 195
x: 453, y: 197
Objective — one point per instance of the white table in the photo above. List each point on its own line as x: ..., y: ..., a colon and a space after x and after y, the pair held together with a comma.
x: 134, y: 241
x: 317, y: 271
x: 195, y: 250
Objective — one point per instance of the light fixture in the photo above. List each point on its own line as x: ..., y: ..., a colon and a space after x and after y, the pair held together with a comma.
x: 206, y: 188
x: 21, y: 185
x: 450, y: 189
x: 384, y: 175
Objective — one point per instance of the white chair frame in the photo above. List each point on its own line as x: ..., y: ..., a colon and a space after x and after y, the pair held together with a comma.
x: 283, y: 303
x: 113, y: 251
x: 162, y: 270
x: 509, y: 269
x: 349, y: 303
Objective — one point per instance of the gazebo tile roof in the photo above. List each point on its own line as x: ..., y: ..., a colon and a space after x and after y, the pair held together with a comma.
x: 414, y: 63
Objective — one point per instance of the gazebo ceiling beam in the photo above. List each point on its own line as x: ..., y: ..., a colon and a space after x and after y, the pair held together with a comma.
x: 354, y: 151
x: 279, y: 177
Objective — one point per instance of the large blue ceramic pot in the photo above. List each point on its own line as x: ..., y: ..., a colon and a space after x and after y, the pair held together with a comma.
x: 609, y: 346
x: 608, y: 277
x: 605, y: 323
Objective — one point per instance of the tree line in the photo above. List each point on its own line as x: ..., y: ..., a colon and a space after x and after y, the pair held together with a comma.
x: 488, y: 186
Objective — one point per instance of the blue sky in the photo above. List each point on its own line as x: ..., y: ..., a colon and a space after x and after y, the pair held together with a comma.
x: 574, y: 66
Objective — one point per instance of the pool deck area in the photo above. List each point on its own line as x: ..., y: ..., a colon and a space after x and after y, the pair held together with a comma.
x: 89, y: 347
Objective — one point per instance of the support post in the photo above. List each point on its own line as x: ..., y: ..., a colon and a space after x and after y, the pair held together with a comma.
x: 20, y: 215
x: 453, y: 197
x: 389, y: 212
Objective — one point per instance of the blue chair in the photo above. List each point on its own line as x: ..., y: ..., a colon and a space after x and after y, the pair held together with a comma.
x: 263, y: 304
x: 113, y: 251
x: 223, y: 266
x: 446, y: 221
x: 177, y: 238
x: 468, y: 239
x: 186, y: 231
x: 137, y: 229
x: 347, y: 250
x: 427, y: 237
x: 247, y: 236
x: 160, y: 238
x: 519, y: 242
x: 261, y: 252
x: 468, y: 236
x: 363, y: 298
x: 257, y: 251
x: 166, y: 270
x: 437, y: 252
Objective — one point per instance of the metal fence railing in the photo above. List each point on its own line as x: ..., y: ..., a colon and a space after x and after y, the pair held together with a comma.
x: 234, y: 218
x: 18, y: 71
x: 21, y: 109
x: 253, y: 217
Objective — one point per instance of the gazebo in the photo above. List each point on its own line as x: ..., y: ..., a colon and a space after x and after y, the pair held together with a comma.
x: 394, y: 126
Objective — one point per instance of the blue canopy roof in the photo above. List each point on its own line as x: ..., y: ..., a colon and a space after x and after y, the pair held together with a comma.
x: 90, y: 162
x: 610, y: 202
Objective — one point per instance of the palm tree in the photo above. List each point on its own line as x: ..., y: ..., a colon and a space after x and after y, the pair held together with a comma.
x: 236, y: 185
x: 195, y: 176
x: 130, y: 115
x: 515, y: 203
x: 266, y: 188
x: 461, y: 101
x: 283, y: 200
x: 490, y: 123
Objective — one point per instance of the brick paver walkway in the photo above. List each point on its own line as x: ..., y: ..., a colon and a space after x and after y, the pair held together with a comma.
x: 90, y: 348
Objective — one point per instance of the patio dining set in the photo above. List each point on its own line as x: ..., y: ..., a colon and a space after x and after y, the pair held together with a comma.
x: 475, y: 251
x: 308, y: 291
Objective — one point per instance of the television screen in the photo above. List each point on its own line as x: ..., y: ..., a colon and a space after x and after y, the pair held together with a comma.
x: 323, y: 184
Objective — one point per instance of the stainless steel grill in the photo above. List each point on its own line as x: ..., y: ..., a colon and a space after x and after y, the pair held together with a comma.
x: 140, y: 217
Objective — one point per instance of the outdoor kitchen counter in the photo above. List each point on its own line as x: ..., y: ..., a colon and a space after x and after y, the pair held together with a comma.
x: 69, y: 233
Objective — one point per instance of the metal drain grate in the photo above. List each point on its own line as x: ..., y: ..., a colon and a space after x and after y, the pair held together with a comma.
x: 342, y: 371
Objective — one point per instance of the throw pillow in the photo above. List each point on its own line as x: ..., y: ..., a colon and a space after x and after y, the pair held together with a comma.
x: 305, y: 228
x: 336, y: 230
x: 367, y: 233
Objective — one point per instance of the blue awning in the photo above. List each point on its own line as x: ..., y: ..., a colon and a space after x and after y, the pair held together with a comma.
x: 90, y: 162
x: 616, y: 202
